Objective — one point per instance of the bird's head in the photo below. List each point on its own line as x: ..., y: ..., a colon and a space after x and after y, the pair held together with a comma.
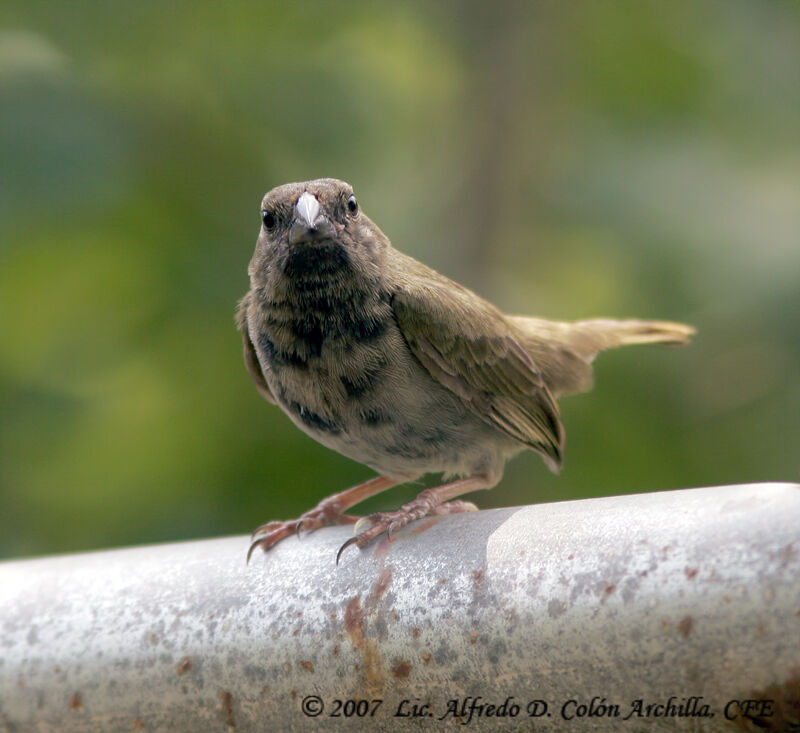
x: 307, y: 228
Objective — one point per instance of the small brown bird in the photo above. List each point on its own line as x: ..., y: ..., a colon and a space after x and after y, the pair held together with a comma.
x: 383, y: 359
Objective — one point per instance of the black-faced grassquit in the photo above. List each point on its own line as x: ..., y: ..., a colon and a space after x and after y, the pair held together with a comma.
x: 388, y: 362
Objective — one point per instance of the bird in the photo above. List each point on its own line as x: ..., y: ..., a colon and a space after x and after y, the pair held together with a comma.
x: 394, y: 365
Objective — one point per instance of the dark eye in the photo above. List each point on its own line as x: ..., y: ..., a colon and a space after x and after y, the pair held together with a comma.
x: 352, y: 205
x: 268, y: 219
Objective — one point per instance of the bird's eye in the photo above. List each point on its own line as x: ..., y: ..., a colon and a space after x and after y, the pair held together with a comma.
x: 268, y: 219
x: 352, y: 205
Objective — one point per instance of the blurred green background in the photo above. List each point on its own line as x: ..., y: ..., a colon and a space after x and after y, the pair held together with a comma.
x: 563, y: 159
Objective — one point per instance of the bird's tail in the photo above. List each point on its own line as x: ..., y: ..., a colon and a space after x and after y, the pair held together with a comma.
x: 596, y: 335
x: 565, y: 351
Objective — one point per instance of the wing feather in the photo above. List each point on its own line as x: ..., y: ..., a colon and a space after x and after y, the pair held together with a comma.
x: 470, y: 347
x: 249, y: 352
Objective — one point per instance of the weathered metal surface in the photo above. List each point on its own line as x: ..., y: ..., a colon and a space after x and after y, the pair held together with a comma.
x: 690, y: 594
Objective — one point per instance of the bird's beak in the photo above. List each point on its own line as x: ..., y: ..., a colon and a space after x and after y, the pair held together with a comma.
x: 310, y: 222
x: 307, y: 210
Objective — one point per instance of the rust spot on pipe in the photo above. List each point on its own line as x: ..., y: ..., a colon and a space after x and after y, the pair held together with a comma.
x: 184, y: 666
x: 685, y: 626
x: 415, y: 633
x: 76, y: 702
x: 401, y: 670
x: 473, y: 637
x: 383, y: 583
x: 352, y: 616
x: 138, y: 724
x: 308, y: 666
x: 426, y: 657
x: 691, y: 573
x: 354, y: 625
x: 605, y: 591
x: 227, y: 708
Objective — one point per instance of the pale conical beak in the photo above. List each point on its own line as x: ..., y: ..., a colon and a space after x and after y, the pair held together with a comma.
x: 311, y: 223
x: 308, y: 209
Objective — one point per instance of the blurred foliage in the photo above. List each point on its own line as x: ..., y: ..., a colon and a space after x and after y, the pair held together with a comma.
x: 564, y: 159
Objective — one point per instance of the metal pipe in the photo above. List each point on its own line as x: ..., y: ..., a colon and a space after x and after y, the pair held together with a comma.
x: 568, y: 616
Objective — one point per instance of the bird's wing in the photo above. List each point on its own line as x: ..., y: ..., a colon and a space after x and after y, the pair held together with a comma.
x: 467, y: 345
x: 249, y: 352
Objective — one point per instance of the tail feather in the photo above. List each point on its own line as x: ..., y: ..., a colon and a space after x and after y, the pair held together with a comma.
x: 564, y: 351
x: 599, y: 334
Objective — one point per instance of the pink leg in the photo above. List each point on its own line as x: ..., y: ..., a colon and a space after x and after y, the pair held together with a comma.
x: 328, y: 511
x: 429, y: 501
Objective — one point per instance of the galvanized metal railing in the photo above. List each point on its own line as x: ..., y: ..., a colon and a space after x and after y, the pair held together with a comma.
x: 677, y: 610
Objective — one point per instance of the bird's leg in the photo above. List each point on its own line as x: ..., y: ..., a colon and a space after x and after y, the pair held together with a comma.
x: 328, y: 511
x: 429, y: 501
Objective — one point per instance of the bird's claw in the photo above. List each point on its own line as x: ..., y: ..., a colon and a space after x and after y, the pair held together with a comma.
x: 250, y: 550
x: 266, y: 528
x: 379, y: 523
x: 268, y: 535
x: 390, y: 522
x: 347, y: 544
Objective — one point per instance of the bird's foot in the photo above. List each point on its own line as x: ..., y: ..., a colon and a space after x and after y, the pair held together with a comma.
x: 427, y: 502
x: 327, y: 512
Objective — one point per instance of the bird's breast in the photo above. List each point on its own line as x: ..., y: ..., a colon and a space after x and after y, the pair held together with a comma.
x: 309, y: 329
x: 341, y: 370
